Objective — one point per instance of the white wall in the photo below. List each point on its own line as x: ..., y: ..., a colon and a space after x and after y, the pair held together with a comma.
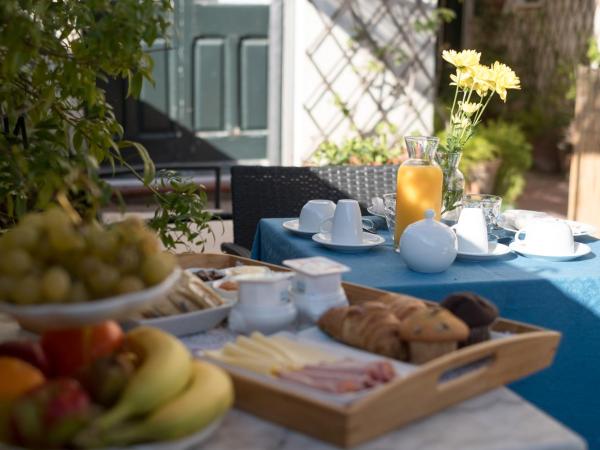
x: 406, y: 95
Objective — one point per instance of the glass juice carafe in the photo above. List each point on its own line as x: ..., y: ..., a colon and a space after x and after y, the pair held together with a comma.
x: 419, y: 184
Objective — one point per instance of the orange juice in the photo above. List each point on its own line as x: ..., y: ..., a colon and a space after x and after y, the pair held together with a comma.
x: 419, y: 188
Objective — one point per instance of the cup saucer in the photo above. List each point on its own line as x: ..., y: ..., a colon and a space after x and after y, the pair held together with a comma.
x: 495, y: 250
x: 369, y: 241
x: 580, y: 250
x: 294, y: 227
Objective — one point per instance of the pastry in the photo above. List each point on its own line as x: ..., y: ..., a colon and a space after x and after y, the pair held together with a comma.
x: 370, y: 326
x: 432, y: 332
x: 401, y: 305
x: 477, y: 312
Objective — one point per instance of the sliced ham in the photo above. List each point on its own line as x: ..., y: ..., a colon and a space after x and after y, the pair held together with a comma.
x: 343, y: 376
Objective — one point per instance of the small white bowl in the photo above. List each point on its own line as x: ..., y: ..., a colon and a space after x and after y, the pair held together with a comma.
x: 245, y: 270
x: 225, y: 293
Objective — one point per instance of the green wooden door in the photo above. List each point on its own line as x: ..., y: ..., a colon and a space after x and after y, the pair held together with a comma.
x: 209, y: 101
x: 227, y: 75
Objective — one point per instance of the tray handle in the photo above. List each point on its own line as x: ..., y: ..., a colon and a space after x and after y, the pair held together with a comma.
x: 495, y: 362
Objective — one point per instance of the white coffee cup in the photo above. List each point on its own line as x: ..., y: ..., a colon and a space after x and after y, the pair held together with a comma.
x: 346, y: 224
x: 471, y: 231
x: 547, y: 237
x: 313, y: 213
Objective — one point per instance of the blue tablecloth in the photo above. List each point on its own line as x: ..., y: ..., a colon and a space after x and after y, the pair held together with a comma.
x: 563, y: 296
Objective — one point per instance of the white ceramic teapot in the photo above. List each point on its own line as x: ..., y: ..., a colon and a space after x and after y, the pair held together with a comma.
x: 428, y: 246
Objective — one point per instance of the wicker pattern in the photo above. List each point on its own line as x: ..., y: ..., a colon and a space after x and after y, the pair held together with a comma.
x: 261, y: 192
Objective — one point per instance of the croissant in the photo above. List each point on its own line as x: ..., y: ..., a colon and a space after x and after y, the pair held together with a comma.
x: 370, y: 326
x: 401, y: 305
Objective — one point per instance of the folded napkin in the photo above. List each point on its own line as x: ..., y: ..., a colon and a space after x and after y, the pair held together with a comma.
x: 519, y: 218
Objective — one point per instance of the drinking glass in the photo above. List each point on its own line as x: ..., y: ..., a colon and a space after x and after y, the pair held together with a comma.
x: 389, y: 208
x: 491, y: 207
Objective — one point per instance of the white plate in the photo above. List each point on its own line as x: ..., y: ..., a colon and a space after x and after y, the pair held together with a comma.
x: 578, y: 228
x: 65, y: 315
x: 580, y: 250
x: 186, y: 323
x: 369, y: 241
x: 294, y: 227
x: 495, y: 250
x: 371, y: 210
x: 184, y: 443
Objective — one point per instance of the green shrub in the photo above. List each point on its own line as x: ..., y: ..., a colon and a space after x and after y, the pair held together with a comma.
x: 369, y: 150
x: 507, y: 142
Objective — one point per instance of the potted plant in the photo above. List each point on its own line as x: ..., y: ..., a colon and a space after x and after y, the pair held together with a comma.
x: 57, y: 125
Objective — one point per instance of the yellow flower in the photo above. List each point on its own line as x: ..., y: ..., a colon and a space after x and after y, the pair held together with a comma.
x: 465, y: 58
x: 469, y: 108
x: 483, y: 79
x: 504, y: 78
x: 462, y: 78
x: 460, y: 122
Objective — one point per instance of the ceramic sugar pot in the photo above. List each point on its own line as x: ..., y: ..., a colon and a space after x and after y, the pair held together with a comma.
x: 428, y: 246
x: 263, y: 303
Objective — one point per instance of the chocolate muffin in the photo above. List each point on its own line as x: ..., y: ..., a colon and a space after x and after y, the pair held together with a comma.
x: 477, y: 312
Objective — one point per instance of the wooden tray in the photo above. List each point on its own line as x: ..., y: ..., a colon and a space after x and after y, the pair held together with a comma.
x: 477, y: 369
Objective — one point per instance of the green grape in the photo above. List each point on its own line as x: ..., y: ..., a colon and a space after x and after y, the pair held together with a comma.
x: 26, y: 291
x: 32, y: 220
x: 129, y: 284
x: 25, y: 237
x: 44, y: 251
x: 6, y: 287
x: 157, y: 267
x: 64, y: 239
x: 148, y: 244
x: 78, y: 293
x: 88, y: 266
x: 101, y: 283
x: 104, y: 245
x: 55, y: 284
x: 127, y: 260
x: 56, y: 218
x: 16, y: 262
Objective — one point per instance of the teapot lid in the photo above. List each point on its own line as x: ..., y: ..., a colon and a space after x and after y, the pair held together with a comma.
x: 429, y: 227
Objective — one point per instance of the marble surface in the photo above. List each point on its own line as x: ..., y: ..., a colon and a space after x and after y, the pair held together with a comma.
x: 497, y: 420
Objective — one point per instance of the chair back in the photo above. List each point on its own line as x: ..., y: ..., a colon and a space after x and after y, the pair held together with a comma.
x: 259, y: 192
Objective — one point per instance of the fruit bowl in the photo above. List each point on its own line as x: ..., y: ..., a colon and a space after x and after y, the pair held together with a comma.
x: 67, y: 315
x: 185, y: 443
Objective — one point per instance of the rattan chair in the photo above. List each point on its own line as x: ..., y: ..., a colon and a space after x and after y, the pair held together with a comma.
x: 259, y: 192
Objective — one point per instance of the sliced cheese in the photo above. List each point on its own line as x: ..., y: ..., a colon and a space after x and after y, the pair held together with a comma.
x: 255, y: 365
x: 260, y: 347
x: 306, y: 353
x: 282, y: 349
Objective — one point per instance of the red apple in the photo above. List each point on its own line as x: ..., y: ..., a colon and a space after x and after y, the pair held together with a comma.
x: 29, y: 351
x: 71, y: 350
x: 51, y: 415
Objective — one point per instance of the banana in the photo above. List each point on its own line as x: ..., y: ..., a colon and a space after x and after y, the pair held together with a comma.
x: 208, y: 395
x: 164, y: 372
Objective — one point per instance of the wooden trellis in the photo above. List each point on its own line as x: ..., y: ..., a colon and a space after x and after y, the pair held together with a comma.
x: 387, y: 52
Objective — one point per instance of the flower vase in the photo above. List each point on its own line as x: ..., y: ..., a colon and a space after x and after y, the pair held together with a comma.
x: 453, y: 185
